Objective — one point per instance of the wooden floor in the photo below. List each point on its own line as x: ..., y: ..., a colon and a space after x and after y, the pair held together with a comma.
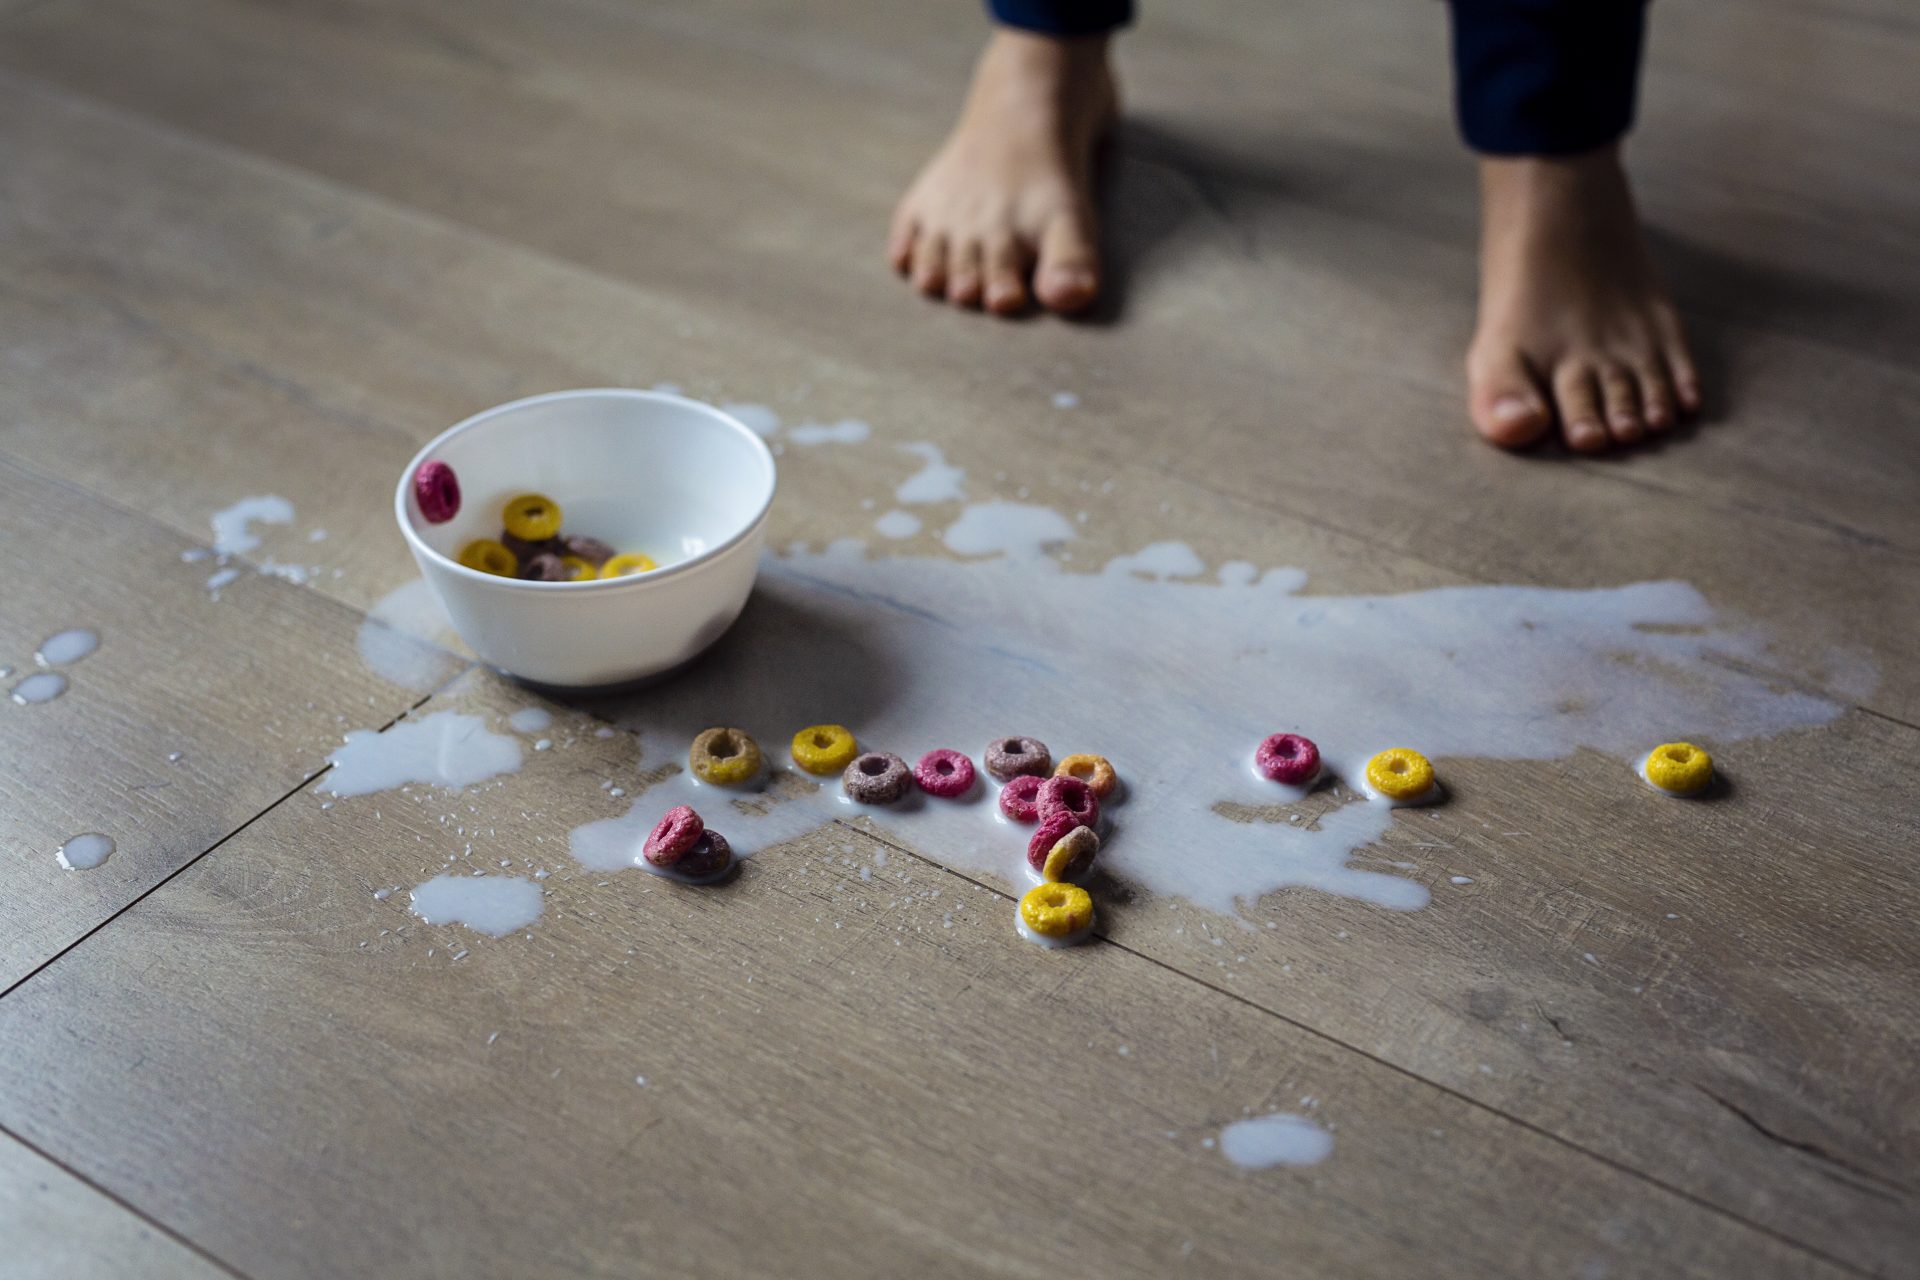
x: 252, y: 248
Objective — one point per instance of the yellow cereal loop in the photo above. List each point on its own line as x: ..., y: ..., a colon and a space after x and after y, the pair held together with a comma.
x: 1056, y: 910
x: 1093, y: 770
x: 533, y: 517
x: 629, y: 563
x: 579, y: 570
x: 1679, y: 768
x: 724, y: 756
x: 1399, y: 773
x: 488, y: 556
x: 824, y: 748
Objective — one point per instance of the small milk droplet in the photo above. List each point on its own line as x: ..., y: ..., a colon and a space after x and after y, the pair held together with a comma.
x: 85, y: 852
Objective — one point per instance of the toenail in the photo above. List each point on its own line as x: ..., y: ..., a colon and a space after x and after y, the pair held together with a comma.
x: 1511, y: 409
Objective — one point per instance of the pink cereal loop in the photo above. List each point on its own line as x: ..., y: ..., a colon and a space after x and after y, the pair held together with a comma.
x: 1288, y: 758
x: 1067, y: 794
x: 437, y: 490
x: 1018, y: 798
x: 1052, y: 831
x: 944, y: 773
x: 673, y: 837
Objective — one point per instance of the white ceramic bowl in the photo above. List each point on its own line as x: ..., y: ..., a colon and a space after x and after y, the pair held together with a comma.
x: 681, y: 481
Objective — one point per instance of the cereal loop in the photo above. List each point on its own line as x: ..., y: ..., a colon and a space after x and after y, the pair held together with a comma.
x: 1092, y: 770
x: 724, y: 756
x: 944, y: 773
x: 673, y: 837
x: 1052, y: 831
x: 1071, y: 855
x: 545, y: 567
x: 1400, y: 773
x: 1019, y: 799
x: 578, y: 570
x: 1679, y: 768
x: 488, y: 556
x: 437, y: 491
x: 710, y: 855
x: 1063, y: 793
x: 625, y: 566
x: 878, y: 777
x: 1010, y: 758
x: 1288, y: 758
x: 532, y: 516
x: 592, y: 550
x: 824, y: 748
x: 1057, y: 910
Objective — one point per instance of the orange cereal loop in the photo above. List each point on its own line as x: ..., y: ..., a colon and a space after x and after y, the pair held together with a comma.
x: 533, y: 517
x: 489, y: 556
x: 1092, y: 770
x: 724, y: 756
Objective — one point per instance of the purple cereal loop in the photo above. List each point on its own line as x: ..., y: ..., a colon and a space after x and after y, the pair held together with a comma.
x: 709, y: 856
x: 1069, y: 795
x: 1010, y: 758
x: 437, y: 491
x: 545, y: 567
x: 592, y: 550
x: 1288, y: 758
x: 673, y: 837
x: 877, y: 777
x: 944, y: 773
x: 1052, y: 831
x: 1018, y: 798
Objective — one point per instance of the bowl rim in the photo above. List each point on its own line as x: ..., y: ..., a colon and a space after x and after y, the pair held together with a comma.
x: 632, y: 581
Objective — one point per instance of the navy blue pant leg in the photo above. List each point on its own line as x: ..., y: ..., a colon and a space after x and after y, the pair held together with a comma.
x: 1545, y: 77
x: 1063, y: 17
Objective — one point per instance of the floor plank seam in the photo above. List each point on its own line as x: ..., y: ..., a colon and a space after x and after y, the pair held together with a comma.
x: 167, y: 879
x: 127, y: 1205
x: 1408, y: 1074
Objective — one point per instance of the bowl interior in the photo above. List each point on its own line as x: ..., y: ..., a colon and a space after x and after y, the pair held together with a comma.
x: 640, y: 470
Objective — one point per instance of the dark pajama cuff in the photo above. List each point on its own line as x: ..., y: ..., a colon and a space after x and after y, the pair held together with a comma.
x: 1545, y: 77
x: 1063, y: 17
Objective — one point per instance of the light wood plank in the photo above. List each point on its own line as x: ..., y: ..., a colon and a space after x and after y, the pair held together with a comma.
x: 836, y: 1081
x: 248, y: 692
x: 56, y: 1227
x: 1579, y: 1096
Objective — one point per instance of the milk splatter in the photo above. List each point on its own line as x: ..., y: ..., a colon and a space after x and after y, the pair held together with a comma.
x: 757, y: 418
x: 41, y: 686
x: 937, y: 481
x: 400, y: 639
x: 493, y: 905
x: 1279, y: 1139
x: 446, y: 749
x: 85, y: 852
x: 67, y: 647
x: 813, y: 433
x: 530, y: 720
x: 1176, y: 681
x: 1017, y: 529
x: 897, y: 524
x: 233, y: 528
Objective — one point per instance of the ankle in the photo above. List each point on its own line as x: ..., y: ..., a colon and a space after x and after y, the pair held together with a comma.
x: 1054, y: 57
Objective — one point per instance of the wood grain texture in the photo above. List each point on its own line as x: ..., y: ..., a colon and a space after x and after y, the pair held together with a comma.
x: 217, y: 286
x: 56, y: 1227
x: 98, y: 758
x: 843, y: 1075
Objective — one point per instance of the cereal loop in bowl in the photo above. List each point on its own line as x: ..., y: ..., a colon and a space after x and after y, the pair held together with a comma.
x: 877, y: 777
x: 724, y: 756
x: 822, y: 749
x: 1019, y: 799
x: 1090, y: 769
x: 533, y: 517
x: 944, y: 773
x: 489, y: 556
x: 1010, y: 758
x: 437, y: 491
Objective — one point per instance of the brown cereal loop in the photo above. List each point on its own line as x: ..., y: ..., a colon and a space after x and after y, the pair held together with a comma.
x: 724, y: 756
x: 877, y: 777
x: 1009, y: 758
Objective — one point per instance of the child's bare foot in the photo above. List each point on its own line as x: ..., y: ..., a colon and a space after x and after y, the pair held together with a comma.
x: 1007, y: 203
x: 1574, y: 327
